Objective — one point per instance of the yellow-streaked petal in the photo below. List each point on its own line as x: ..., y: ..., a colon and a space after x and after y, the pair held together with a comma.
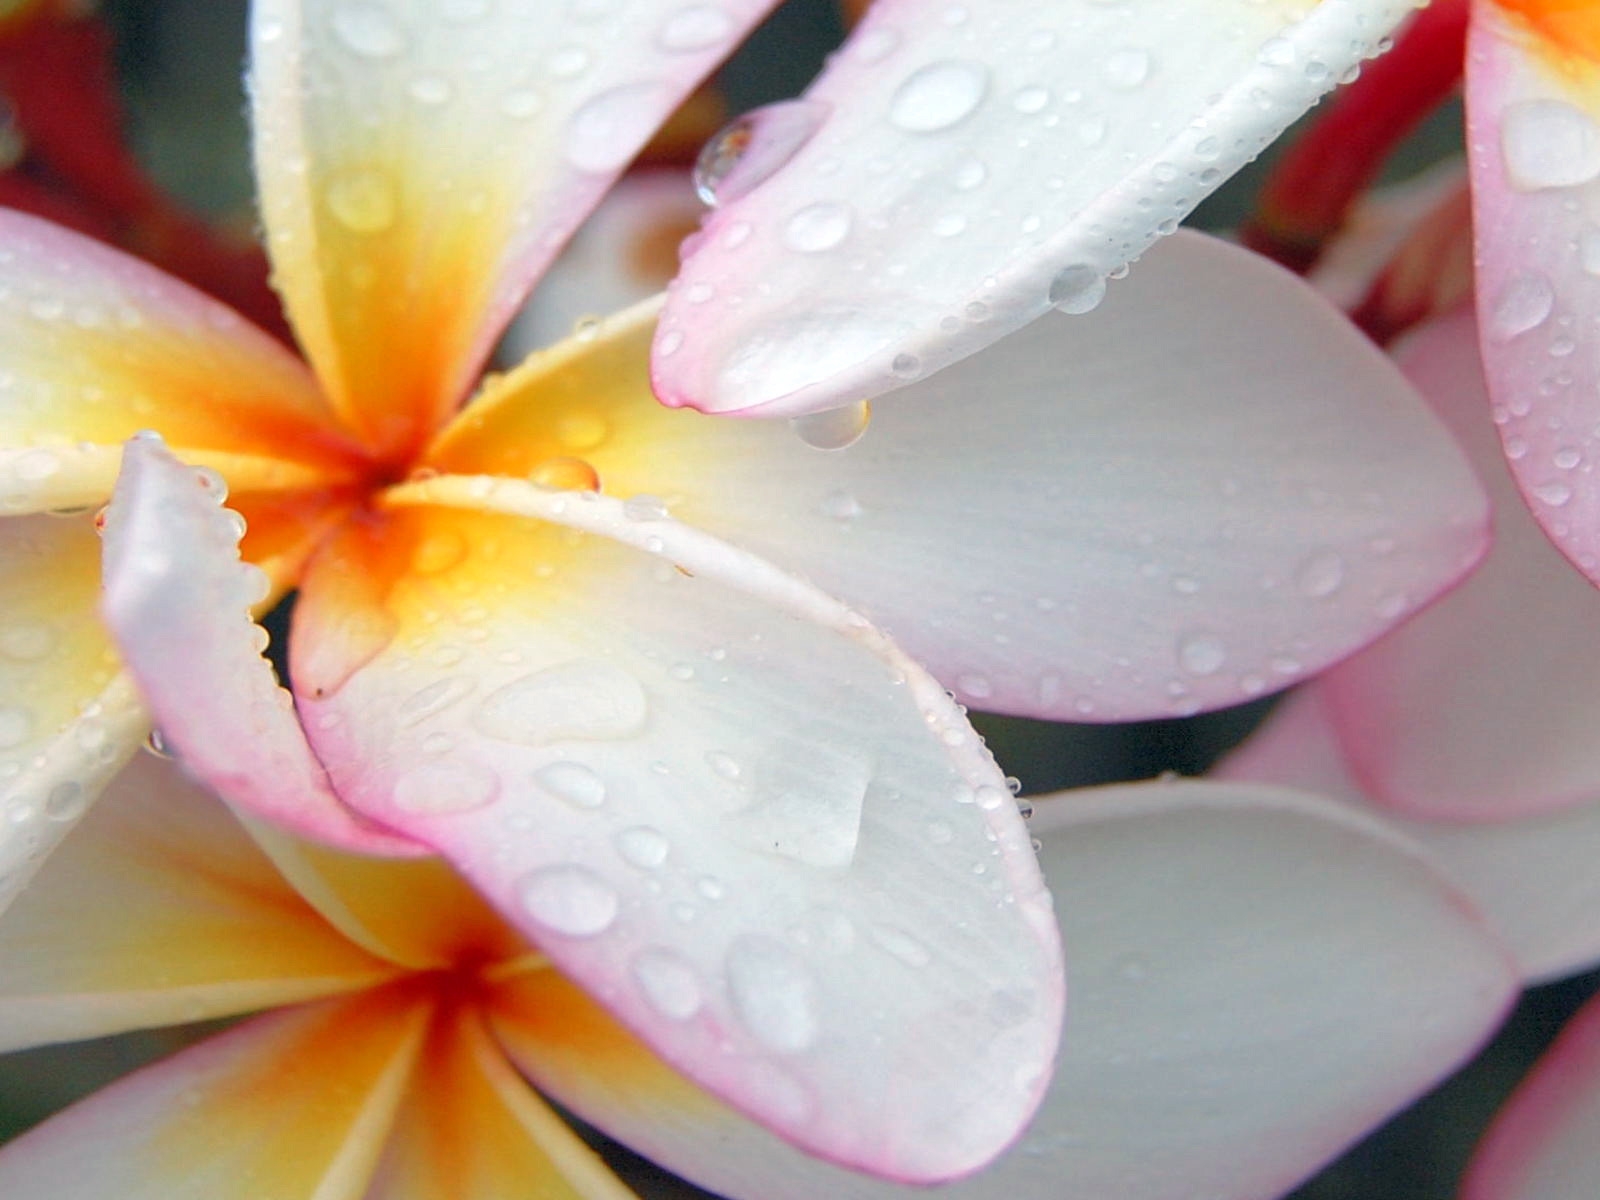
x: 160, y: 910
x: 95, y: 346
x: 291, y: 1106
x: 472, y: 1127
x: 421, y: 163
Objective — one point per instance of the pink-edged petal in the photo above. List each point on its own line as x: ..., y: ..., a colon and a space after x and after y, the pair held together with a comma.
x: 1483, y: 708
x: 159, y: 910
x: 98, y: 345
x: 294, y: 1104
x: 1533, y: 103
x: 420, y: 163
x: 178, y: 601
x: 720, y: 800
x: 968, y: 174
x: 472, y: 1128
x: 1545, y: 1143
x: 1155, y: 508
x: 1259, y: 979
x: 1533, y: 877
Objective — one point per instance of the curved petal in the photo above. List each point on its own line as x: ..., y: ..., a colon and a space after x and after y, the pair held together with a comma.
x: 292, y: 1104
x: 177, y: 599
x: 158, y: 911
x: 1067, y: 525
x: 471, y: 1128
x: 1533, y: 877
x: 68, y: 717
x: 717, y: 798
x: 421, y: 163
x: 1542, y: 1144
x: 1533, y: 97
x: 1226, y: 1036
x: 1421, y: 742
x: 97, y: 346
x: 968, y: 174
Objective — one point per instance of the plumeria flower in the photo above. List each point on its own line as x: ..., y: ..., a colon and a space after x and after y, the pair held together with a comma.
x: 543, y: 635
x: 1224, y: 1045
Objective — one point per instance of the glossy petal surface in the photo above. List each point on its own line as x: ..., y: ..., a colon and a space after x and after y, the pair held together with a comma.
x: 1483, y: 708
x: 1225, y: 1036
x: 178, y: 600
x: 715, y: 797
x: 1542, y: 1144
x: 160, y: 910
x: 1533, y: 95
x: 420, y: 163
x: 971, y: 170
x: 245, y: 1115
x: 1163, y: 532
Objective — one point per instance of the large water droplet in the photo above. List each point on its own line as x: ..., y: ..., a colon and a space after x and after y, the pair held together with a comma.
x: 938, y: 96
x: 445, y: 787
x: 1077, y: 288
x: 1523, y: 303
x: 363, y: 201
x: 585, y: 698
x: 1548, y: 144
x: 572, y: 783
x: 773, y: 993
x: 643, y: 846
x: 834, y: 429
x: 609, y: 129
x: 751, y: 148
x: 818, y: 227
x: 1127, y: 68
x: 669, y: 984
x: 569, y: 899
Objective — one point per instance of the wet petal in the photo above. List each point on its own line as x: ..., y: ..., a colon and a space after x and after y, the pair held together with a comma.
x: 159, y: 910
x: 69, y: 718
x: 292, y: 1104
x: 1226, y: 1036
x: 968, y: 174
x: 1542, y: 1145
x: 471, y: 1127
x: 178, y: 601
x: 421, y: 163
x: 1533, y: 877
x: 719, y: 799
x: 1534, y: 142
x: 1067, y: 525
x: 1518, y: 737
x: 98, y: 346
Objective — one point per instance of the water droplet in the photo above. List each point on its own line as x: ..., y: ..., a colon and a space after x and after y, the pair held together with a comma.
x: 66, y: 802
x: 572, y: 783
x: 367, y: 30
x: 905, y: 366
x: 723, y: 764
x: 569, y: 899
x: 1548, y: 144
x: 1523, y: 303
x: 1077, y: 288
x: 445, y: 787
x: 835, y: 428
x: 670, y: 985
x: 840, y: 505
x: 566, y: 473
x: 1127, y: 68
x: 1276, y: 52
x: 1201, y: 653
x: 938, y: 95
x: 1556, y: 495
x: 1031, y: 99
x: 643, y: 846
x: 773, y: 993
x: 581, y: 430
x: 817, y: 227
x: 751, y: 148
x: 644, y: 507
x: 697, y: 27
x: 363, y: 201
x: 609, y: 128
x: 585, y: 698
x: 1321, y: 574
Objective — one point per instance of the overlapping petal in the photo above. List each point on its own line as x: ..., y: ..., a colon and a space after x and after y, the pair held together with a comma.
x: 420, y: 163
x: 246, y: 1114
x: 159, y: 910
x: 1070, y: 524
x: 1533, y: 94
x: 923, y: 220
x: 1217, y: 1045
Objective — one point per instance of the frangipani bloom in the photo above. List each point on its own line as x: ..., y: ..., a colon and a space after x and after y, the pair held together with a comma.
x: 1226, y: 1045
x: 675, y: 766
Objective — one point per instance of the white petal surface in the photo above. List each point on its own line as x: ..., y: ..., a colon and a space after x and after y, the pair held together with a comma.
x: 1533, y: 94
x: 178, y: 600
x: 1202, y: 492
x: 718, y: 799
x: 972, y: 168
x: 1259, y: 979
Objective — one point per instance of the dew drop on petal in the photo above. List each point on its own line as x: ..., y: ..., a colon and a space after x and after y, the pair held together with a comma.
x: 938, y: 96
x: 363, y: 201
x: 694, y: 27
x: 1127, y: 68
x: 569, y: 899
x: 67, y: 801
x: 818, y: 228
x: 834, y: 429
x: 1548, y: 144
x: 1201, y: 653
x: 584, y: 698
x: 773, y: 993
x: 669, y: 985
x: 750, y: 149
x: 1320, y: 575
x: 643, y: 846
x: 572, y: 783
x: 609, y: 129
x: 1077, y: 288
x: 15, y: 726
x: 367, y: 30
x: 1523, y: 303
x: 445, y: 787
